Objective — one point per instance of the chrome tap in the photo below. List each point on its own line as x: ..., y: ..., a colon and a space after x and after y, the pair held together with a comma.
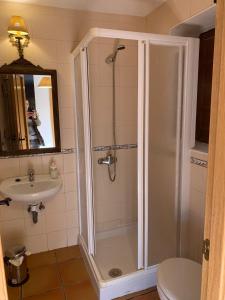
x: 108, y: 160
x: 30, y: 174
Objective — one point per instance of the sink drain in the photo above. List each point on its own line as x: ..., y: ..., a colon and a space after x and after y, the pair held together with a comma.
x: 115, y: 272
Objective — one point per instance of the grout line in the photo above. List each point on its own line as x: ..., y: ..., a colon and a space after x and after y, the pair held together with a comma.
x: 21, y: 293
x: 42, y: 293
x: 60, y: 276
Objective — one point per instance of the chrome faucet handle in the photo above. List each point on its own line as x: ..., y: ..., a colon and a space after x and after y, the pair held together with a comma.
x: 108, y: 160
x: 30, y: 173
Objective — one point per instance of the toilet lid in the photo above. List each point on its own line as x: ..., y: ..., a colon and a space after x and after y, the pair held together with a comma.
x: 180, y: 279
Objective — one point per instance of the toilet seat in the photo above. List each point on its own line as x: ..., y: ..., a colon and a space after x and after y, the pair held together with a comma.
x: 179, y: 279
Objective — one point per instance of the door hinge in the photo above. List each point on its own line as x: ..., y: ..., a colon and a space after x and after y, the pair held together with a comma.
x: 206, y: 248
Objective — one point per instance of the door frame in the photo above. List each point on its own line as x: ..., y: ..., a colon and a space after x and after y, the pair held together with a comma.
x: 88, y: 151
x: 213, y: 279
x: 3, y: 286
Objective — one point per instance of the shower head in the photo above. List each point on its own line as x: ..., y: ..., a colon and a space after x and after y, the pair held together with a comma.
x: 112, y: 57
x: 120, y: 47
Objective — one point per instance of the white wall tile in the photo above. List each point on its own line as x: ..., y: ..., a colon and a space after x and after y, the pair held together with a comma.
x: 69, y: 182
x: 55, y: 222
x: 36, y: 243
x: 12, y: 212
x: 66, y: 118
x: 63, y: 50
x: 35, y: 229
x: 196, y: 211
x: 26, y: 163
x: 9, y: 168
x: 57, y: 239
x: 71, y: 201
x: 66, y: 97
x: 65, y: 74
x: 46, y: 162
x: 55, y: 205
x: 67, y: 138
x: 72, y: 236
x: 69, y: 163
x: 72, y: 219
x: 12, y: 231
x: 198, y: 177
x: 40, y: 48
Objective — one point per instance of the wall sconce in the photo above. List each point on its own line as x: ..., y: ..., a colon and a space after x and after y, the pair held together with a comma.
x: 18, y: 34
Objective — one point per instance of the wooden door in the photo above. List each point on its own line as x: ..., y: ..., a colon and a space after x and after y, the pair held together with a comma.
x: 3, y: 287
x: 213, y: 275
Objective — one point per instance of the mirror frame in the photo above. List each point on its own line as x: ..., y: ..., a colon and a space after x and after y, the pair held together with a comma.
x: 23, y: 66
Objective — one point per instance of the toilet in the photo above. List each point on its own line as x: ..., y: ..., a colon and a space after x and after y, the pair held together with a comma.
x: 179, y: 279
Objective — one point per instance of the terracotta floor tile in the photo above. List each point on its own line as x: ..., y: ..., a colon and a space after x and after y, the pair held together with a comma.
x: 150, y: 296
x: 52, y: 295
x: 41, y: 280
x: 41, y: 259
x: 73, y: 271
x: 68, y: 253
x: 82, y: 291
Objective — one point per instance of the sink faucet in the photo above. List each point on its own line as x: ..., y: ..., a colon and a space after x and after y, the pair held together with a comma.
x: 30, y: 174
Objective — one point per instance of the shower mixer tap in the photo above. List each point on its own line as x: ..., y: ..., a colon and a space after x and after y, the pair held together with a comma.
x: 108, y: 160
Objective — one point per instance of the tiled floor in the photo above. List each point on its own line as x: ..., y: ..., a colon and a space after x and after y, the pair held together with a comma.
x: 56, y: 275
x: 61, y: 275
x: 150, y: 294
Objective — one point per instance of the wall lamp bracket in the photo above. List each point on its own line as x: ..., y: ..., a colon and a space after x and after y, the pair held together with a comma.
x: 18, y: 34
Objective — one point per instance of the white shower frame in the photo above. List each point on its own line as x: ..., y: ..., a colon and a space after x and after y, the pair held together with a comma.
x: 145, y: 276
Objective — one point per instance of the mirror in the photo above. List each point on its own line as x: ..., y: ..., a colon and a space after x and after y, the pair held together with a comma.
x: 29, y: 119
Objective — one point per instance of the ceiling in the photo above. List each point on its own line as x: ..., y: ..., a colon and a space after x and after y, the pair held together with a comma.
x: 127, y: 7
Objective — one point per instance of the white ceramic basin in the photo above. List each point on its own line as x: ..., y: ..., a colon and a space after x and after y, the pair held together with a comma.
x: 21, y: 189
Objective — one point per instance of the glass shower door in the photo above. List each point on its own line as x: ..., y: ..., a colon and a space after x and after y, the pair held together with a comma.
x: 81, y: 173
x: 138, y: 213
x: 115, y: 95
x: 164, y: 91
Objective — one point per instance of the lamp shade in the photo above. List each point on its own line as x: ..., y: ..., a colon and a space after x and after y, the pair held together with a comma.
x: 17, y: 26
x: 45, y: 82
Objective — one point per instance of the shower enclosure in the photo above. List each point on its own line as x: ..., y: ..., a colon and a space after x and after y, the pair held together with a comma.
x: 135, y: 110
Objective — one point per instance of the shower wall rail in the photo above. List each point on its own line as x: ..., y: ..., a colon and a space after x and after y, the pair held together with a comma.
x: 115, y: 147
x: 186, y: 95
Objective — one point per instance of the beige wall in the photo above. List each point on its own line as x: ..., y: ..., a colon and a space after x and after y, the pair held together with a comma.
x: 173, y: 12
x: 54, y: 33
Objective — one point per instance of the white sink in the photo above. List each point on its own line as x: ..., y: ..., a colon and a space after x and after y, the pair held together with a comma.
x: 22, y: 190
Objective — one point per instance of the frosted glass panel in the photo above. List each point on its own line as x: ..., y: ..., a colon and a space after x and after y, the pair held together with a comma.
x: 80, y: 145
x: 163, y: 137
x: 114, y: 82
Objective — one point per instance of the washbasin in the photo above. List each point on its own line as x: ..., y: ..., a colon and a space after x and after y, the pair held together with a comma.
x: 21, y: 189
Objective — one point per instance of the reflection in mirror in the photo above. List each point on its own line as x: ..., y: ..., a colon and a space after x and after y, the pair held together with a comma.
x: 27, y: 118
